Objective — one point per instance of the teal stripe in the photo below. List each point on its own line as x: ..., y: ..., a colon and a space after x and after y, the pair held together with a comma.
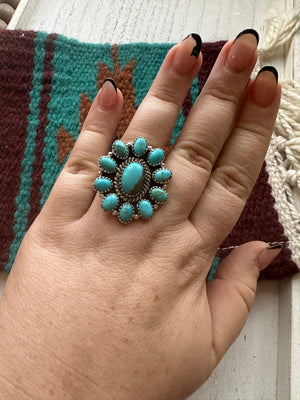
x: 22, y: 200
x: 195, y: 90
x: 213, y: 269
x: 180, y: 120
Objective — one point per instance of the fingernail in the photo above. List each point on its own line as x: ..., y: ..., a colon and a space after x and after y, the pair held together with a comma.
x: 275, y: 246
x: 187, y: 53
x: 108, y: 94
x: 251, y: 31
x: 266, y: 256
x: 242, y: 50
x: 264, y: 87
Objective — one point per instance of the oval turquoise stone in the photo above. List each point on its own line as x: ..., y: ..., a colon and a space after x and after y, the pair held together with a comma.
x: 139, y: 146
x: 133, y: 178
x: 107, y: 163
x: 156, y: 156
x: 145, y: 208
x: 163, y: 175
x: 159, y: 195
x: 120, y: 148
x: 102, y: 184
x: 110, y: 202
x: 126, y: 212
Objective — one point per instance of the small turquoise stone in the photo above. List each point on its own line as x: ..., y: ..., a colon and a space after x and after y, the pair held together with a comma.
x: 159, y: 195
x: 126, y: 212
x: 120, y: 149
x: 163, y: 175
x: 110, y: 202
x: 102, y: 184
x: 145, y: 208
x: 107, y: 163
x: 139, y: 146
x: 133, y: 178
x: 156, y: 156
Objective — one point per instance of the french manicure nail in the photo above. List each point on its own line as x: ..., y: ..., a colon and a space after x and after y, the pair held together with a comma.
x: 246, y: 31
x: 108, y: 94
x: 264, y: 87
x: 242, y: 50
x: 187, y: 53
x: 270, y: 69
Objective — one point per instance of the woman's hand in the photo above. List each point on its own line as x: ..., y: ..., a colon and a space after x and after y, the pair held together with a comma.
x: 94, y: 309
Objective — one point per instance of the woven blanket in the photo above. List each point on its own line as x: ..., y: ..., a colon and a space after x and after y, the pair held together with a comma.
x: 47, y: 85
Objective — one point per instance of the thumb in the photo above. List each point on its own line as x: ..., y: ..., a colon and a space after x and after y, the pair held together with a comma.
x: 231, y: 294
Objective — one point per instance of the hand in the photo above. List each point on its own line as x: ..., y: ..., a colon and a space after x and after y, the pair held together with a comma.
x: 94, y: 309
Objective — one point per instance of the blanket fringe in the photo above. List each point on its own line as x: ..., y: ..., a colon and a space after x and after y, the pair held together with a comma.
x: 283, y: 157
x: 280, y: 30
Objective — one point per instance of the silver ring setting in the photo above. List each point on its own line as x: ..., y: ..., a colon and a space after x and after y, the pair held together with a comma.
x: 132, y: 180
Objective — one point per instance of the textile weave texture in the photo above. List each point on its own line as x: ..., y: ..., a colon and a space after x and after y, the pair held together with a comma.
x: 47, y: 85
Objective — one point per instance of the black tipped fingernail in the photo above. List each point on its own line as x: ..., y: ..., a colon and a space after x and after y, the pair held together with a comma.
x: 112, y: 82
x: 251, y: 31
x: 196, y: 50
x: 275, y: 246
x: 187, y: 54
x: 270, y: 69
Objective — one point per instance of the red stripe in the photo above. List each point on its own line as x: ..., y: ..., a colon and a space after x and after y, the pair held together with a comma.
x: 16, y: 74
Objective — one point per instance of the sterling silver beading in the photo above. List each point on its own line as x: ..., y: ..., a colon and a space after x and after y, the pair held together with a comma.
x: 132, y: 180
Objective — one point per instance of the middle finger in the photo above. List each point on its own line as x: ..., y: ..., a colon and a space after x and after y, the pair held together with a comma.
x: 156, y: 116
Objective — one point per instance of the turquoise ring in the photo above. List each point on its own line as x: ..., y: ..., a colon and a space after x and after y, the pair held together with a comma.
x: 132, y: 180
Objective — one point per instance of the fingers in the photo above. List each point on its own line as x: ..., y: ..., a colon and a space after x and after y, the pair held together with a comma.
x: 231, y: 293
x: 210, y: 120
x: 73, y: 191
x: 157, y: 114
x: 240, y: 161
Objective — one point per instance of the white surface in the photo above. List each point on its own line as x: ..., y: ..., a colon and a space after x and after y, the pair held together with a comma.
x: 263, y: 363
x: 118, y: 21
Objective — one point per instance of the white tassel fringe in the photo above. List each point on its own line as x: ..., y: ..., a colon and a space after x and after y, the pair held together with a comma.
x: 283, y: 157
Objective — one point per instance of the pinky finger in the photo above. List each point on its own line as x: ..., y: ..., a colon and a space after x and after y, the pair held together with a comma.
x: 231, y: 293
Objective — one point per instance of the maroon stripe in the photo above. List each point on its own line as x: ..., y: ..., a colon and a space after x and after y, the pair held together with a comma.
x: 38, y: 169
x: 187, y: 104
x: 210, y: 53
x: 16, y: 74
x: 259, y: 221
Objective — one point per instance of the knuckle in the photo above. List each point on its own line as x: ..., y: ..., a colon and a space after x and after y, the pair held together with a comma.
x: 235, y: 179
x: 256, y: 130
x: 81, y: 159
x: 79, y: 163
x: 94, y: 130
x: 198, y: 153
x: 223, y: 94
x: 246, y: 294
x: 165, y: 97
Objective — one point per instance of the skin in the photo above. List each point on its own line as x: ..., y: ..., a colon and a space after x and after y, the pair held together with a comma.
x: 93, y: 309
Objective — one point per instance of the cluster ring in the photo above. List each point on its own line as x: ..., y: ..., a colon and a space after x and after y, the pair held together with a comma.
x: 132, y: 180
